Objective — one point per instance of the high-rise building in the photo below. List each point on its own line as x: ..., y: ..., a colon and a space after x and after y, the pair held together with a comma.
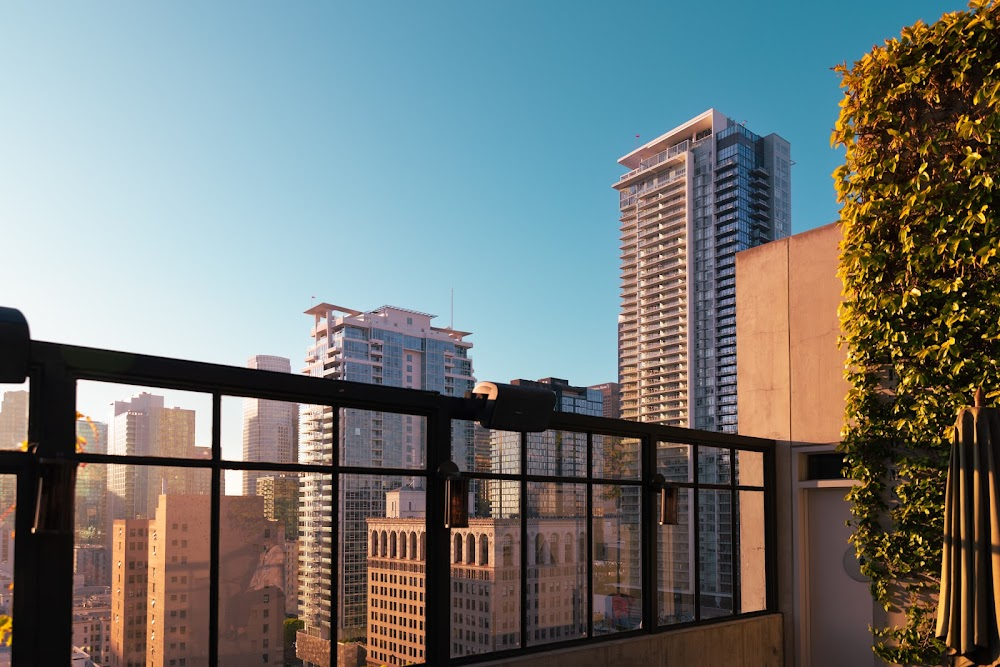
x: 142, y: 426
x: 270, y: 428
x: 160, y: 591
x: 13, y: 419
x: 387, y: 346
x: 281, y: 504
x: 692, y: 199
x: 611, y: 396
x: 91, y: 488
x: 281, y: 501
x: 561, y: 453
x: 92, y: 564
x: 13, y: 432
x: 128, y: 592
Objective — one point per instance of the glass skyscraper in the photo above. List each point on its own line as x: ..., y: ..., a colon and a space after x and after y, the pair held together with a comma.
x: 691, y: 200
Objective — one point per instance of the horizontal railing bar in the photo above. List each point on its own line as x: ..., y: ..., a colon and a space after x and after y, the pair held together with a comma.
x: 143, y: 370
x: 126, y: 368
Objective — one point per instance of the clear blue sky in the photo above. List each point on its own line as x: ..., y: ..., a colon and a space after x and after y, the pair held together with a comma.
x: 181, y: 178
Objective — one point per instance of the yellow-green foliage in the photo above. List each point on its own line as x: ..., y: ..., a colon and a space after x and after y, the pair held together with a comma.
x: 920, y: 121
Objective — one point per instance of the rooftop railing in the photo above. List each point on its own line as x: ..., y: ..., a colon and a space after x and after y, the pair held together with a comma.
x: 591, y: 530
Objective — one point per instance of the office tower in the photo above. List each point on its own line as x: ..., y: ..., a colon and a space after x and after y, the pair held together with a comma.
x: 160, y: 603
x: 281, y: 504
x: 13, y: 419
x: 549, y: 453
x: 251, y: 574
x: 92, y: 564
x: 387, y: 346
x: 142, y: 426
x: 13, y: 432
x: 281, y: 501
x: 610, y: 395
x: 130, y: 556
x: 91, y: 488
x: 270, y: 428
x: 692, y: 199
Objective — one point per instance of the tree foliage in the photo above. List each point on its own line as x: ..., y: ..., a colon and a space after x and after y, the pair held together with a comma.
x: 920, y: 121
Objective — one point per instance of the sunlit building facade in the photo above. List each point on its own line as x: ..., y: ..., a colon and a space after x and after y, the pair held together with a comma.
x: 143, y: 426
x: 485, y: 586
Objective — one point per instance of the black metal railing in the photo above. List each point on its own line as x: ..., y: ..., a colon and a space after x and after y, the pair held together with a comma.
x: 710, y: 472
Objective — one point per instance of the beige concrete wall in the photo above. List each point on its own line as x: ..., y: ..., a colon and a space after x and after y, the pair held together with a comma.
x: 791, y: 388
x: 747, y: 642
x: 790, y: 370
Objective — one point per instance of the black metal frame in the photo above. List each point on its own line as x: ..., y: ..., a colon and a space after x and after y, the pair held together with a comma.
x: 43, y: 551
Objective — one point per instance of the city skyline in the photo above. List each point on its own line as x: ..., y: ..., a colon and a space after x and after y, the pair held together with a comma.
x: 263, y: 135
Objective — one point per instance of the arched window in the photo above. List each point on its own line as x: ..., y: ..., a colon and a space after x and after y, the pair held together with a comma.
x: 393, y: 536
x: 413, y: 546
x: 553, y: 548
x: 423, y: 546
x: 484, y: 550
x: 402, y: 545
x: 540, y: 549
x: 384, y: 544
x: 470, y: 549
x: 507, y: 546
x: 569, y: 549
x: 374, y: 547
x: 458, y: 549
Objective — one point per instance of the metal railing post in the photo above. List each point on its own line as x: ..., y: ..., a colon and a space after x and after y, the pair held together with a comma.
x: 650, y: 566
x: 44, y: 554
x: 437, y: 590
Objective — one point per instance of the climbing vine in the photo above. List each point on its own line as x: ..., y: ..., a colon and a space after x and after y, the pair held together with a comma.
x: 920, y: 122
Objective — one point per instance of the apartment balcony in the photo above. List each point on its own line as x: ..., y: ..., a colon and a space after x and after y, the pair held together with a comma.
x: 614, y: 586
x: 674, y: 153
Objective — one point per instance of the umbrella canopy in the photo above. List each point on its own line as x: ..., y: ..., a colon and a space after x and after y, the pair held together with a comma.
x: 969, y: 602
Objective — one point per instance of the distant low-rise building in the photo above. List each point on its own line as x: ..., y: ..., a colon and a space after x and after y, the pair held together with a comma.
x: 92, y: 628
x: 485, y: 575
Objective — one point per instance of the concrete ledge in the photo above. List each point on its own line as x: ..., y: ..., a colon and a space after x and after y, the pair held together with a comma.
x: 746, y: 642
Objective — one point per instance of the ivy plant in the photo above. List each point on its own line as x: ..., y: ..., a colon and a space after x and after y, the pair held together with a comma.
x: 920, y: 212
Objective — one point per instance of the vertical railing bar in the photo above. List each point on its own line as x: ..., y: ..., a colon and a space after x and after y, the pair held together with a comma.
x: 215, y: 526
x: 48, y: 572
x: 437, y: 589
x: 335, y: 542
x: 648, y: 534
x: 694, y: 519
x: 589, y: 585
x: 770, y: 529
x: 735, y: 520
x: 523, y: 512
